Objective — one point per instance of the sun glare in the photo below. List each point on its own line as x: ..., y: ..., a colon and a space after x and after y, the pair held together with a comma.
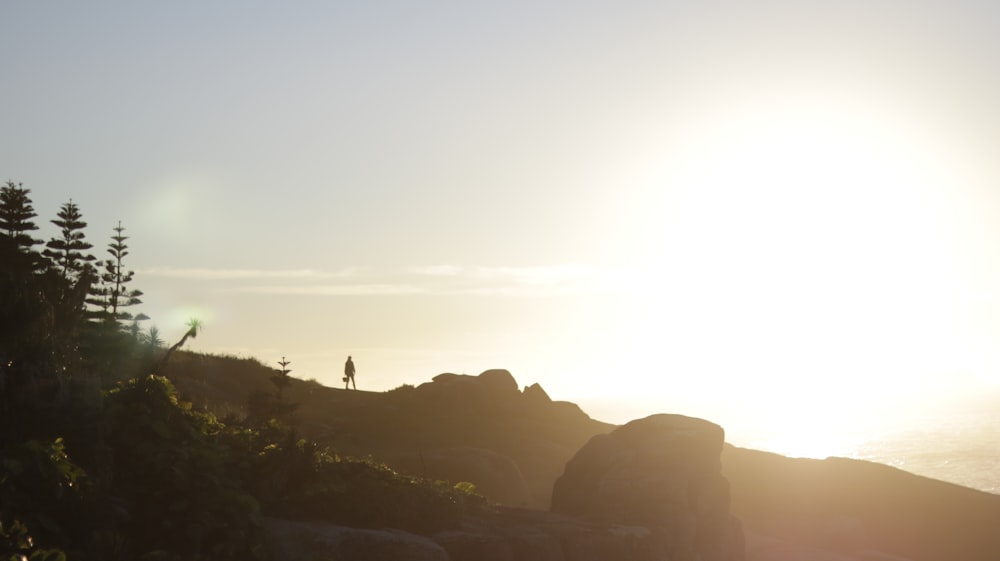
x: 804, y: 246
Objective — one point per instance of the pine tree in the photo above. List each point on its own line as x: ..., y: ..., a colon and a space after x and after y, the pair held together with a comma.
x: 16, y: 213
x: 115, y: 293
x: 67, y: 253
x: 263, y: 406
x: 24, y: 311
x: 28, y: 323
x: 281, y: 379
x: 74, y: 275
x: 16, y: 243
x: 97, y: 299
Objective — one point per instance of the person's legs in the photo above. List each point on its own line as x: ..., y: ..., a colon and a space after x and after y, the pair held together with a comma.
x: 352, y: 382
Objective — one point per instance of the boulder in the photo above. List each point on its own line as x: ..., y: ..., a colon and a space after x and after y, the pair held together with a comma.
x: 499, y: 381
x: 662, y: 472
x: 492, y: 391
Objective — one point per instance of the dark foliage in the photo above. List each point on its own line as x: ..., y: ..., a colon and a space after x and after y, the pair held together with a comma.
x: 296, y: 478
x: 173, y: 479
x: 263, y: 406
x: 40, y: 499
x: 100, y: 459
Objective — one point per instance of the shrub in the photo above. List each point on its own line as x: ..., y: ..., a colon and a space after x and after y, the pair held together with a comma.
x: 176, y: 483
x: 295, y: 478
x: 39, y: 492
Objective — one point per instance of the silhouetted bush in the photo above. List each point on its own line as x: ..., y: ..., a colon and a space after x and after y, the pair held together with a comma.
x: 174, y: 479
x: 296, y: 478
x: 40, y: 496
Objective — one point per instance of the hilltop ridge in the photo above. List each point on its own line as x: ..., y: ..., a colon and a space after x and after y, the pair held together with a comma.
x: 514, y: 443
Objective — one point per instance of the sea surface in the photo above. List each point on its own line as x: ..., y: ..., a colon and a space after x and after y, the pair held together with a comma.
x: 960, y: 446
x: 955, y: 440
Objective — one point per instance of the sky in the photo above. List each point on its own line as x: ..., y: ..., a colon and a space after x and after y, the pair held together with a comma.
x: 761, y: 213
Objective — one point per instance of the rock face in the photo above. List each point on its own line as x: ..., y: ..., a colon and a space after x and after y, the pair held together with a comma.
x: 308, y: 541
x: 651, y: 490
x: 506, y: 534
x: 533, y: 535
x: 662, y: 473
x: 451, y: 422
x: 792, y: 508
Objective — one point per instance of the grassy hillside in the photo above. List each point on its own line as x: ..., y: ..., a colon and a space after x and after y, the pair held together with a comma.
x: 407, y: 426
x: 842, y: 505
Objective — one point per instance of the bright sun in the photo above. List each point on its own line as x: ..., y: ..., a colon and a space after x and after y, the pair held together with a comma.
x: 802, y: 253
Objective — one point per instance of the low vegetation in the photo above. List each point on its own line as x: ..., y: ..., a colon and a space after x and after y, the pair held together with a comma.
x: 102, y: 459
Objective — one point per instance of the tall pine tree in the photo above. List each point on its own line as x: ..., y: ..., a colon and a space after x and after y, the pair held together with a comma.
x: 21, y: 300
x: 19, y: 259
x: 116, y: 278
x: 67, y: 252
x: 26, y: 312
x: 106, y: 341
x: 71, y: 276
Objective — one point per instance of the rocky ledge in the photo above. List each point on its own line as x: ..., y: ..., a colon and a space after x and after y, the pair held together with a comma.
x: 651, y: 490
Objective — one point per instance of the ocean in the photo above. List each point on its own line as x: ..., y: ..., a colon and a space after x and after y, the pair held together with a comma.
x: 960, y: 445
x: 955, y: 440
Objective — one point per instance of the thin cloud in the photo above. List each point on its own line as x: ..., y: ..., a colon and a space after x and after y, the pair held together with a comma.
x: 439, y: 270
x: 542, y: 275
x: 243, y: 274
x: 546, y: 275
x: 334, y: 290
x: 427, y: 280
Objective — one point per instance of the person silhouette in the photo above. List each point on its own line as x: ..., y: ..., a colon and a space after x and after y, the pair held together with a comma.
x: 349, y: 374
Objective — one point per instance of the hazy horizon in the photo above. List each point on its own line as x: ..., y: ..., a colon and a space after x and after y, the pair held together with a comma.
x: 765, y: 211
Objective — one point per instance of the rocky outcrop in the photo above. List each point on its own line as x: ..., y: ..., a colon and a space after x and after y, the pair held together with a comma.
x: 536, y: 395
x: 493, y: 390
x: 488, y: 411
x: 504, y: 535
x: 662, y: 473
x: 532, y: 535
x: 311, y: 541
x: 651, y: 490
x: 791, y: 508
